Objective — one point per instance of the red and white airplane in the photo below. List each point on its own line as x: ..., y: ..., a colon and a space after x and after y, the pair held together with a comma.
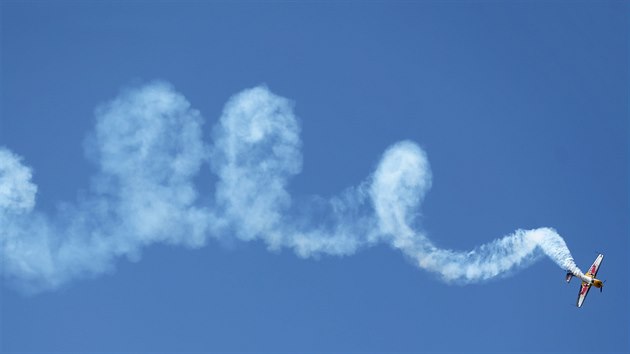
x: 588, y: 280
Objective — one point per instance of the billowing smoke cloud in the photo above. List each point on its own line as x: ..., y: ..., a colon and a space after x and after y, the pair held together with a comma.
x: 148, y: 148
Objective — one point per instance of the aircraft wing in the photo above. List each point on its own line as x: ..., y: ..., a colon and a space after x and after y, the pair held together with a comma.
x: 592, y: 271
x: 582, y: 294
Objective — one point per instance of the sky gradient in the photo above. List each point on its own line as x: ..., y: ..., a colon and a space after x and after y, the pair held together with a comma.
x: 521, y: 108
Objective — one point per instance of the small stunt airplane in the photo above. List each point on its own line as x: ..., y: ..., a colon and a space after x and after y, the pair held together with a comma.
x: 588, y: 280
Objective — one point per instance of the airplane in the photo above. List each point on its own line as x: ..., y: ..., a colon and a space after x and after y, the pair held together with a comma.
x: 588, y: 280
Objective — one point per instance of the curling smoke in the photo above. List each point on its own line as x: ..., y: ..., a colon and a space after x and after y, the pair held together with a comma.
x: 148, y: 147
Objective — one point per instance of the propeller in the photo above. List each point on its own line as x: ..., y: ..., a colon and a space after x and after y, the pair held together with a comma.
x: 602, y: 288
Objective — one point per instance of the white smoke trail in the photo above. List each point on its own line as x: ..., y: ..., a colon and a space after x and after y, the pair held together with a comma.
x: 148, y: 147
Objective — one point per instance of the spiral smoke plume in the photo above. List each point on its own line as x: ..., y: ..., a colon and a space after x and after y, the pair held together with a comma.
x: 148, y: 147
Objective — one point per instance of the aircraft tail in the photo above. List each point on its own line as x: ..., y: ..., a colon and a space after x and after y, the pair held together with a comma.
x: 569, y: 276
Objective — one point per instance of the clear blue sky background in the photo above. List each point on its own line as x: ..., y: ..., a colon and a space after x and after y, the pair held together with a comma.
x: 522, y: 107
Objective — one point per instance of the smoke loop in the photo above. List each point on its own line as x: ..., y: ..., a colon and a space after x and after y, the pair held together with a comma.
x: 148, y: 147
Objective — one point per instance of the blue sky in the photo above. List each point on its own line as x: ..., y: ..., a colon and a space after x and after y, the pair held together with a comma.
x: 521, y: 108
